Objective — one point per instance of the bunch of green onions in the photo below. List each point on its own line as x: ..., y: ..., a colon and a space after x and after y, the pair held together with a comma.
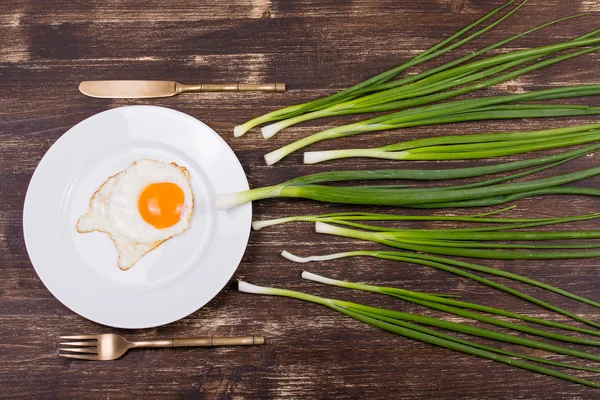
x: 463, y: 242
x: 464, y: 147
x: 486, y: 108
x: 454, y: 267
x: 405, y: 324
x: 475, y: 242
x: 484, y: 193
x: 418, y: 100
x: 450, y: 304
x: 381, y: 81
x: 445, y: 264
x: 384, y: 81
x: 471, y: 242
x: 455, y: 78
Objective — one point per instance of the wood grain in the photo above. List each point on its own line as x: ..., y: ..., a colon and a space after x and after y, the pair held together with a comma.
x: 317, y: 47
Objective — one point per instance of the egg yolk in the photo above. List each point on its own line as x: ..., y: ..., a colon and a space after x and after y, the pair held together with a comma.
x: 160, y: 204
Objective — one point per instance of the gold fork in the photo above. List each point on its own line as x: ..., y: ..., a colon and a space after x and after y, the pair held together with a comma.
x: 110, y: 347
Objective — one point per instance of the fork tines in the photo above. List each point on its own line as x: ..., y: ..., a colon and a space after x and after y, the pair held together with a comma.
x: 85, y: 350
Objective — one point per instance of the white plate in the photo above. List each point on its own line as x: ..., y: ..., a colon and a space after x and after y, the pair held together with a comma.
x: 170, y: 282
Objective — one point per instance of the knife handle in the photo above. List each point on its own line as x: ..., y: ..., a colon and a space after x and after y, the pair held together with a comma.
x: 231, y: 87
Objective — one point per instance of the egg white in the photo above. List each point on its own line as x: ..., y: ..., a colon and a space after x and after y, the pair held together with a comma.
x: 114, y: 209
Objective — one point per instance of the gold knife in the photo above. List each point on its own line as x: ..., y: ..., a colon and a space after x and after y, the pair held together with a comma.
x: 148, y: 89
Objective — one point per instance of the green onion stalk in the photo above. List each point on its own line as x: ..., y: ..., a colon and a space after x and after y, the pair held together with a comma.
x: 484, y: 193
x: 403, y: 324
x: 466, y: 147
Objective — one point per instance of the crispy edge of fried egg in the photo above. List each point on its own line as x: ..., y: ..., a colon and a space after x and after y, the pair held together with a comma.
x: 152, y: 245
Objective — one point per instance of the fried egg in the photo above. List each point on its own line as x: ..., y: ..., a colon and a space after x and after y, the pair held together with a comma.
x: 140, y: 208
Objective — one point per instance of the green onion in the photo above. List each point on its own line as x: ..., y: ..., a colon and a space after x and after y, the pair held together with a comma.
x: 420, y: 197
x: 396, y: 322
x: 446, y: 264
x: 465, y: 147
x: 347, y: 218
x: 452, y: 196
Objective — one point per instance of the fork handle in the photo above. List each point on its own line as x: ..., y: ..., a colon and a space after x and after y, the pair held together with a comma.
x: 208, y: 341
x: 212, y: 341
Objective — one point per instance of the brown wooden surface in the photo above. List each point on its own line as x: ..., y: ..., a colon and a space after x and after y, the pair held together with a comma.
x: 316, y: 47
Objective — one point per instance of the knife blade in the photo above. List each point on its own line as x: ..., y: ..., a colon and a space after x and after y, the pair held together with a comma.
x: 149, y: 89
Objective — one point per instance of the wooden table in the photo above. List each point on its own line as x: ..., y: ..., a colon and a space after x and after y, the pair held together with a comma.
x: 316, y: 47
